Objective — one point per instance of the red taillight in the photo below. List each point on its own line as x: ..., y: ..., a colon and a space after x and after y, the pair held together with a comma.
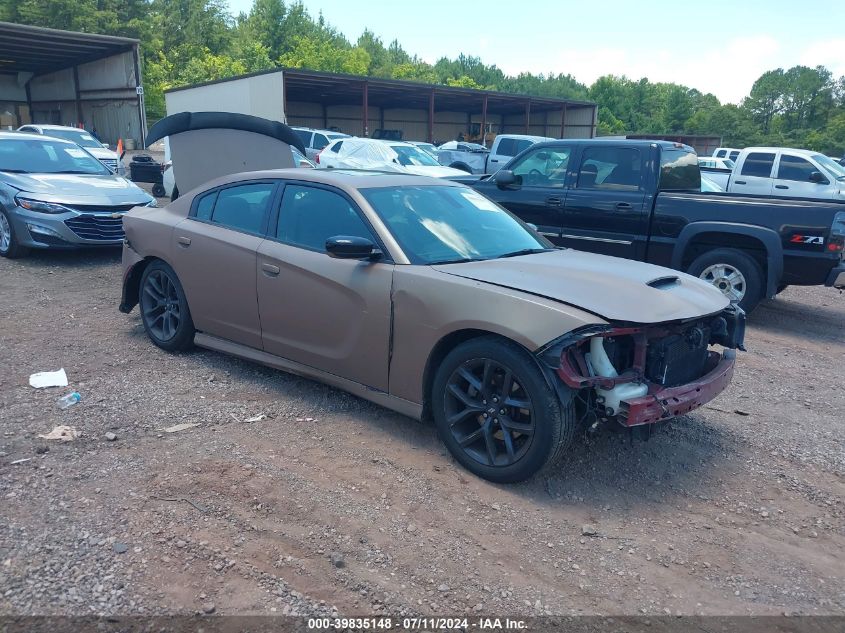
x: 834, y: 247
x: 317, y: 157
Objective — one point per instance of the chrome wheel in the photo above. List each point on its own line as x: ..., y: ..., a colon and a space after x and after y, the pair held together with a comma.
x: 489, y: 413
x: 727, y: 279
x: 5, y: 234
x: 160, y: 306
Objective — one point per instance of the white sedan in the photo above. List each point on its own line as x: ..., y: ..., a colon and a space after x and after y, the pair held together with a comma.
x: 373, y: 154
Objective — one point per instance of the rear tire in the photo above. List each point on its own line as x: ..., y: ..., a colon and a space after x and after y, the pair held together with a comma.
x: 9, y: 245
x: 733, y: 272
x: 158, y: 190
x: 164, y: 308
x: 497, y: 414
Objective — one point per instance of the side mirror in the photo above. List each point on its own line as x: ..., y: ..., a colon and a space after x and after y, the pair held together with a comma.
x: 350, y: 247
x: 817, y: 177
x: 505, y: 178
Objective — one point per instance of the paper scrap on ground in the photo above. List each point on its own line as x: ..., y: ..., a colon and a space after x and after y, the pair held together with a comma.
x: 48, y: 379
x: 180, y: 427
x: 63, y: 433
x: 256, y: 418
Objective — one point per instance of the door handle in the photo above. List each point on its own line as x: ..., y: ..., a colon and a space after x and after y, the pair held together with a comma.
x: 739, y: 182
x: 184, y: 242
x: 624, y: 206
x: 553, y: 201
x: 781, y: 187
x: 270, y: 270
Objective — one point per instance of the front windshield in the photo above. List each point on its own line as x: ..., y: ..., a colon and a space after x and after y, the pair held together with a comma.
x: 442, y: 224
x: 409, y: 155
x: 80, y: 137
x: 831, y: 165
x: 44, y: 156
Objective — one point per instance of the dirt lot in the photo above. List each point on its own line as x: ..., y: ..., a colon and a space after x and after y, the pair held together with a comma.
x: 333, y: 503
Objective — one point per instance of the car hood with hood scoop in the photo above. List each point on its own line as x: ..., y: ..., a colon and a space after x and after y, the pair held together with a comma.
x: 613, y: 288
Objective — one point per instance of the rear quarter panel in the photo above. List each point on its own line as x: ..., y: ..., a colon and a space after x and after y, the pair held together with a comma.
x: 429, y: 305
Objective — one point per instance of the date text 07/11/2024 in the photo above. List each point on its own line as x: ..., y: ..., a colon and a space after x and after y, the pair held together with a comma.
x: 416, y: 624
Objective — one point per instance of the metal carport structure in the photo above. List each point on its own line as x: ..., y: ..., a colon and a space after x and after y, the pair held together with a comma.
x: 69, y: 78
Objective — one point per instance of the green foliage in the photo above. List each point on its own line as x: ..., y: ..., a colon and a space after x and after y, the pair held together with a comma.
x: 191, y: 41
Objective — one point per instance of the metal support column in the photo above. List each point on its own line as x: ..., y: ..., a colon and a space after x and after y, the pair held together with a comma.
x: 366, y: 110
x: 562, y: 121
x: 78, y: 97
x: 527, y: 115
x: 431, y: 117
x: 484, y: 121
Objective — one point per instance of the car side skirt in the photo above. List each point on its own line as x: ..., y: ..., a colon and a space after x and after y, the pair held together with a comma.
x: 405, y: 407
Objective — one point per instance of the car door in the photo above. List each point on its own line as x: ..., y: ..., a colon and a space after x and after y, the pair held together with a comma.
x: 540, y: 193
x: 500, y: 154
x: 605, y: 210
x: 793, y: 178
x: 327, y: 313
x: 214, y: 254
x: 755, y: 174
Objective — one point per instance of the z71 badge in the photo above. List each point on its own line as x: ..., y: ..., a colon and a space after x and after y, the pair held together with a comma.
x: 807, y: 239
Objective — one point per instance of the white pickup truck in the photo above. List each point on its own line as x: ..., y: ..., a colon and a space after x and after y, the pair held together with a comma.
x: 787, y: 173
x: 475, y: 159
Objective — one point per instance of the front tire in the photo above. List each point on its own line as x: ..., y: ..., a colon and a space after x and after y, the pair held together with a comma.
x: 733, y: 272
x: 9, y: 245
x: 496, y: 413
x: 164, y: 308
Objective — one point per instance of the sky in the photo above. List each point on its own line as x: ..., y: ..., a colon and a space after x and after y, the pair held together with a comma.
x: 715, y: 46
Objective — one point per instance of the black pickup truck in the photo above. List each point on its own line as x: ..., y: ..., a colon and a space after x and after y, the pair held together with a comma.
x: 642, y: 200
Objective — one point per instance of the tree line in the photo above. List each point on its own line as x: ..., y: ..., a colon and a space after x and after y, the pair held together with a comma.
x: 191, y: 41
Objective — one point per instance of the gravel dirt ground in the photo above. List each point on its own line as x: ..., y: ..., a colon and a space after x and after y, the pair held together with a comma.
x: 330, y: 504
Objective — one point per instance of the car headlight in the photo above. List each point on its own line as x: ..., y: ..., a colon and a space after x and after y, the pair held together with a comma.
x: 152, y: 203
x: 40, y: 207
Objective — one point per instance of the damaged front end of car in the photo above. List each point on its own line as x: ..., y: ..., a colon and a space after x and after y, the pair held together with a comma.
x: 642, y: 374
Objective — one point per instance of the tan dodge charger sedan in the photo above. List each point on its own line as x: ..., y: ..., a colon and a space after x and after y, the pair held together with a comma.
x: 424, y: 296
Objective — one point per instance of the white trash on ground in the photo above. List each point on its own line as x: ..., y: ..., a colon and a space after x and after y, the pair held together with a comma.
x: 62, y: 433
x: 48, y: 379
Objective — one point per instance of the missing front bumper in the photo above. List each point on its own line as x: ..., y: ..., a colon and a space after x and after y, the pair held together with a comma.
x: 669, y: 402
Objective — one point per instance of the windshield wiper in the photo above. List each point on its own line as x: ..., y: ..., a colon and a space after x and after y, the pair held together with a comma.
x: 526, y: 251
x: 457, y: 260
x: 78, y: 171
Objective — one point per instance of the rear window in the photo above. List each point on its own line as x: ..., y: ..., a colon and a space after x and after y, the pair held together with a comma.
x: 679, y: 171
x: 506, y: 147
x: 758, y: 164
x: 320, y: 141
x: 304, y: 136
x: 721, y: 153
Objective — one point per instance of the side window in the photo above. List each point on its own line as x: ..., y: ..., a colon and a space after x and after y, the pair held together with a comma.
x: 544, y: 167
x: 320, y: 141
x: 758, y: 164
x: 243, y: 207
x: 616, y: 168
x: 795, y: 168
x: 506, y: 147
x: 734, y: 155
x: 721, y: 153
x: 304, y: 136
x: 205, y: 206
x: 309, y: 216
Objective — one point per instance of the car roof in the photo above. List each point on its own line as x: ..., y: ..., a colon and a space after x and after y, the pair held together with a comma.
x: 33, y: 137
x: 45, y: 126
x: 347, y: 179
x: 802, y: 152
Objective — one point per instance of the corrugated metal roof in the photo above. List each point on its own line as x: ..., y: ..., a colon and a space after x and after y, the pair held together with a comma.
x: 36, y: 49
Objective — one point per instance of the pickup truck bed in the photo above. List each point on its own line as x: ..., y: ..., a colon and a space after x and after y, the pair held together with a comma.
x: 640, y: 200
